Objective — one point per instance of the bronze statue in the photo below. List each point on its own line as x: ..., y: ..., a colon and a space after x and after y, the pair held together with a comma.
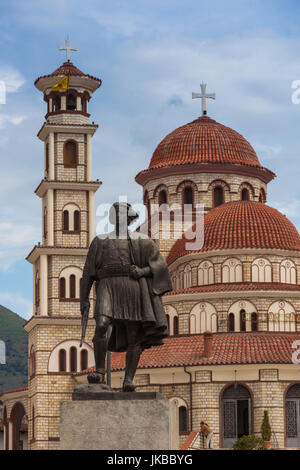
x: 131, y: 276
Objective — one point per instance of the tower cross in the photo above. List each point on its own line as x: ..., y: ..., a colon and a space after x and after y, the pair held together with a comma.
x: 67, y: 48
x: 203, y: 95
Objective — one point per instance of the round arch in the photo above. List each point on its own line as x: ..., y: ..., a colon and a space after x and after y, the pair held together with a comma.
x: 236, y: 403
x: 17, y: 417
x: 292, y: 415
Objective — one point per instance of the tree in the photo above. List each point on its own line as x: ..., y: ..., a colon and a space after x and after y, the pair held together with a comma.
x: 266, y: 428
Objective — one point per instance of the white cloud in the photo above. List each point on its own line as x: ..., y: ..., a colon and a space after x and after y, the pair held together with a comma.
x: 12, y: 78
x: 11, y: 119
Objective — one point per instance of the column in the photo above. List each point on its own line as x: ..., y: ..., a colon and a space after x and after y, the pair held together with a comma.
x: 50, y: 217
x: 78, y: 103
x: 43, y: 285
x: 89, y: 157
x: 91, y: 216
x: 51, y: 156
x: 10, y: 435
x: 63, y: 103
x: 34, y: 287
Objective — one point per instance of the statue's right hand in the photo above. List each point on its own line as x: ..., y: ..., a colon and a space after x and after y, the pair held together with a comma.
x: 84, y: 306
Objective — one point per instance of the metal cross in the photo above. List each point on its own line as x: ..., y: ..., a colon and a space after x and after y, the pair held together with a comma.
x: 203, y: 95
x: 67, y: 48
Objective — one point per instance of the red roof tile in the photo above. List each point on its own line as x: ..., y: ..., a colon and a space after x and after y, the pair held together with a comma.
x: 242, y: 224
x: 228, y: 348
x: 204, y: 140
x: 68, y: 68
x: 237, y: 286
x: 21, y: 389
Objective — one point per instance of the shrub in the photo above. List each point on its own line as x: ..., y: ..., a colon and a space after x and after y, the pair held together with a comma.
x: 265, y: 427
x: 249, y: 442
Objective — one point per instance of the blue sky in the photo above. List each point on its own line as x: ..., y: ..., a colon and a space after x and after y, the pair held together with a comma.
x: 151, y: 55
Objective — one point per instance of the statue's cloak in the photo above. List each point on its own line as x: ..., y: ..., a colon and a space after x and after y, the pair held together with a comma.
x: 154, y: 326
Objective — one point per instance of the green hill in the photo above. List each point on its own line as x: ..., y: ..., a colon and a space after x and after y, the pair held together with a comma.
x: 13, y: 374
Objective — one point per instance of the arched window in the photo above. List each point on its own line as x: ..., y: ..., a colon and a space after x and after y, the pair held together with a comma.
x: 71, y: 101
x: 205, y: 273
x: 147, y: 204
x: 203, y: 317
x: 242, y: 316
x: 37, y: 289
x: 76, y: 221
x: 231, y: 326
x: 262, y: 196
x: 56, y: 103
x: 83, y: 359
x: 171, y: 314
x: 182, y: 419
x: 162, y: 197
x: 47, y: 158
x: 282, y: 317
x: 69, y: 283
x: 70, y: 154
x: 62, y: 360
x: 261, y: 270
x: 187, y: 277
x: 62, y: 288
x: 66, y: 220
x: 45, y: 222
x: 245, y: 194
x: 287, y: 272
x: 72, y: 286
x: 168, y: 321
x: 254, y: 321
x: 33, y: 423
x: 243, y: 320
x: 232, y: 270
x: 218, y: 196
x: 188, y: 196
x: 175, y: 326
x: 73, y: 359
x: 32, y: 362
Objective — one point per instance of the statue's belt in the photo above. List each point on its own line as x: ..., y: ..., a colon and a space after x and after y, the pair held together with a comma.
x: 114, y: 270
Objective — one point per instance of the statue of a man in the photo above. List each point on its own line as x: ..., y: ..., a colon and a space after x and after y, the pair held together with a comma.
x: 131, y: 276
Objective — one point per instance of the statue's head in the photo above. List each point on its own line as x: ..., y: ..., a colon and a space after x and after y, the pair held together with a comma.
x: 123, y: 213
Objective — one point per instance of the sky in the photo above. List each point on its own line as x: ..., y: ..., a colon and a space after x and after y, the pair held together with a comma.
x: 151, y: 55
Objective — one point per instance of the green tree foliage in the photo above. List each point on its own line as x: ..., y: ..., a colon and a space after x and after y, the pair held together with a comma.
x: 250, y: 442
x: 265, y: 427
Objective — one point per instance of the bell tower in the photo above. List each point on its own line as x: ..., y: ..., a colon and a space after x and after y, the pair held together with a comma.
x: 67, y: 196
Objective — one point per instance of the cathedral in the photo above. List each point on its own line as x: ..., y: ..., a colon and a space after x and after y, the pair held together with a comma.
x: 234, y: 312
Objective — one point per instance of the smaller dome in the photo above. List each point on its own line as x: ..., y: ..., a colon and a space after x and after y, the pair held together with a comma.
x: 243, y: 224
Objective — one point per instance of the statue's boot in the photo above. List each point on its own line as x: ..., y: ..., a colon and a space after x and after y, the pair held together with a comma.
x: 100, y: 350
x: 132, y: 360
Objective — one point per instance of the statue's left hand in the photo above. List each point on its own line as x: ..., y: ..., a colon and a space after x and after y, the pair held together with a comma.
x: 136, y: 272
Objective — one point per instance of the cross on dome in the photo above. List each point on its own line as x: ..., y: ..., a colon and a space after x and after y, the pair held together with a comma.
x: 203, y: 95
x: 67, y: 48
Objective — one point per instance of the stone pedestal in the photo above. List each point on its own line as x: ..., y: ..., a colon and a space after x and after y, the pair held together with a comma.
x: 116, y: 421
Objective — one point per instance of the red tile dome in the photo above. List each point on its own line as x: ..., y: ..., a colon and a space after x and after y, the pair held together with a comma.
x: 203, y: 141
x: 243, y: 224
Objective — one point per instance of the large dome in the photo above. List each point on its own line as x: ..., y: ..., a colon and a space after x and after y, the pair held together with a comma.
x: 243, y: 224
x: 204, y: 141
